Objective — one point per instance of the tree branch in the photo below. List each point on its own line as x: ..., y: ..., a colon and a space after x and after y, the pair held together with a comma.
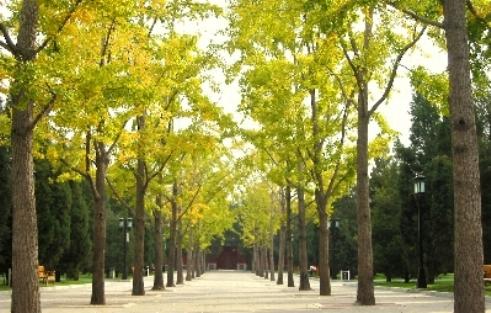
x: 354, y: 68
x: 190, y: 203
x: 117, y: 196
x: 417, y: 17
x: 105, y: 44
x: 9, y: 43
x: 46, y: 109
x: 394, y: 71
x: 86, y: 175
x: 47, y: 41
x: 157, y: 171
x: 116, y: 139
x: 472, y: 9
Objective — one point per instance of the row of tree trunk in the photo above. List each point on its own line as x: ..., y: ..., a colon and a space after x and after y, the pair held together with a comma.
x: 263, y: 263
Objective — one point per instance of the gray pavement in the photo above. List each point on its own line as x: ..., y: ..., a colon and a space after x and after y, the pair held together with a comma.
x: 230, y: 291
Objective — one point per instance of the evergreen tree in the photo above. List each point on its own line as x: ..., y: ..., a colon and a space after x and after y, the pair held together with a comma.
x: 386, y: 205
x: 76, y: 256
x: 54, y: 205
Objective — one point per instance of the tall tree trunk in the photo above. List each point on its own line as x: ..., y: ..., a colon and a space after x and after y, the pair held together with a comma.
x: 25, y: 286
x: 302, y: 241
x: 189, y: 263
x: 324, y: 268
x: 260, y: 261
x: 271, y: 260
x: 289, y: 237
x: 265, y: 261
x: 158, y: 280
x: 139, y: 245
x: 197, y: 261
x: 99, y: 253
x: 469, y: 291
x: 255, y: 256
x: 171, y: 260
x: 203, y: 260
x: 365, y: 293
x: 281, y: 250
x: 180, y: 274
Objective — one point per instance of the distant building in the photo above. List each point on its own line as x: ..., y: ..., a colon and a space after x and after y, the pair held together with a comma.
x: 227, y: 258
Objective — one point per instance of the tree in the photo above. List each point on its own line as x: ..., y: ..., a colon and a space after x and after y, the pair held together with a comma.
x: 469, y: 294
x: 28, y: 108
x: 384, y: 192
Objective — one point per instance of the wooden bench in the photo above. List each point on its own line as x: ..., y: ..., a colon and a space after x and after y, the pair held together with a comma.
x: 46, y: 276
x: 487, y: 273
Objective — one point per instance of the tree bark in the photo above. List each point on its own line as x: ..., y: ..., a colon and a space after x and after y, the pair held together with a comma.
x: 197, y: 261
x: 271, y: 260
x: 324, y: 268
x: 158, y: 279
x: 281, y: 250
x: 265, y: 261
x: 468, y: 285
x: 365, y: 293
x: 254, y: 257
x: 189, y: 264
x: 180, y: 274
x: 203, y: 260
x: 138, y: 284
x: 302, y: 241
x: 99, y: 253
x: 171, y: 260
x: 25, y: 286
x: 289, y: 237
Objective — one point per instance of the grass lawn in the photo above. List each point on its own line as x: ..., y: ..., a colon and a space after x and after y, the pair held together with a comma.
x: 84, y: 279
x: 442, y: 283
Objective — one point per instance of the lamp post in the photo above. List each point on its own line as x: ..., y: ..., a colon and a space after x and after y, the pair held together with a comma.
x: 125, y: 223
x: 419, y: 190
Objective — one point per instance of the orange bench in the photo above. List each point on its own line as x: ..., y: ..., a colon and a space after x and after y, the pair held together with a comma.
x: 487, y: 273
x: 46, y: 276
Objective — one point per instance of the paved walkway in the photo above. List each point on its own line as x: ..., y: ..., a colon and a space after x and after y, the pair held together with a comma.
x: 228, y: 292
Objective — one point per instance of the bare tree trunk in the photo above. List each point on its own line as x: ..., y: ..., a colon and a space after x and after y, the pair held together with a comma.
x: 189, y: 263
x: 281, y: 249
x: 281, y: 255
x: 257, y: 258
x: 324, y: 270
x: 158, y: 280
x: 197, y: 261
x: 469, y: 291
x: 302, y: 240
x: 139, y: 245
x: 25, y: 286
x: 171, y: 260
x: 265, y: 261
x: 203, y: 261
x: 365, y: 292
x: 180, y: 275
x: 271, y: 259
x: 254, y: 257
x: 289, y: 237
x: 99, y: 253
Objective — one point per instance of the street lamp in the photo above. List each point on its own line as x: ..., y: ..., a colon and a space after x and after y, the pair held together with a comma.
x: 125, y: 223
x: 419, y: 190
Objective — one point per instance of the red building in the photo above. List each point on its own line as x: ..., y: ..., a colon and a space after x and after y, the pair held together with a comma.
x: 228, y: 258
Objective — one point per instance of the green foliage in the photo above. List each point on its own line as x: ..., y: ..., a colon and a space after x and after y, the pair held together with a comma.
x: 76, y: 257
x: 54, y: 205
